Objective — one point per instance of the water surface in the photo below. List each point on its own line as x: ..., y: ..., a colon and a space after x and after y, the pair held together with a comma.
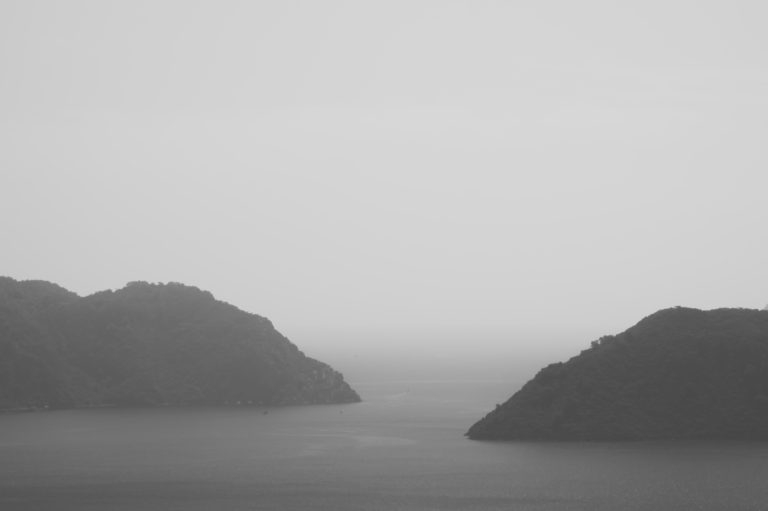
x: 403, y: 448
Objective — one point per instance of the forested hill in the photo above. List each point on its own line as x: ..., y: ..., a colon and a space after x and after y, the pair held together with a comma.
x: 678, y: 374
x: 148, y: 344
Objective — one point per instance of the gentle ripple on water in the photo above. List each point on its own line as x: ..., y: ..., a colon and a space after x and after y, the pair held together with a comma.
x: 402, y: 449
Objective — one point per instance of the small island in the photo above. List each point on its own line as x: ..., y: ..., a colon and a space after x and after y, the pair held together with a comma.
x: 680, y: 373
x: 148, y: 345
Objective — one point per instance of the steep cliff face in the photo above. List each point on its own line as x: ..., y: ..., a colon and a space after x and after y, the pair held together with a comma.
x: 148, y: 344
x: 679, y: 373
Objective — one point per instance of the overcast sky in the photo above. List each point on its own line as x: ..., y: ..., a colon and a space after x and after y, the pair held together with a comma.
x: 484, y: 171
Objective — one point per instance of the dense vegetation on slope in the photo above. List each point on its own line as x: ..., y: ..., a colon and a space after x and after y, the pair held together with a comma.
x: 679, y: 373
x: 148, y: 344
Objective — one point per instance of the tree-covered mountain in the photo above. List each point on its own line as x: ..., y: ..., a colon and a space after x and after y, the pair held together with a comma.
x: 148, y: 344
x: 678, y: 374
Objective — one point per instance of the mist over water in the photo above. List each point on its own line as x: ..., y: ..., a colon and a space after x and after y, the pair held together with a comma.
x: 371, y: 355
x: 437, y: 198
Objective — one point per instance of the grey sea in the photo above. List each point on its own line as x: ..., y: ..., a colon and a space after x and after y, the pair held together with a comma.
x: 402, y: 449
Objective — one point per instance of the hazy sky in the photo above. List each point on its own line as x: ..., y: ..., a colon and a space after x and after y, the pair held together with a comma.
x: 481, y: 173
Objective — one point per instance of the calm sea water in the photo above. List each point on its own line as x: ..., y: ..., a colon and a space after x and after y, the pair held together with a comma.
x: 402, y: 449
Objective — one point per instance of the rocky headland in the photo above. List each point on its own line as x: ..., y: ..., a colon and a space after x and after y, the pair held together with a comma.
x: 148, y: 345
x: 680, y: 373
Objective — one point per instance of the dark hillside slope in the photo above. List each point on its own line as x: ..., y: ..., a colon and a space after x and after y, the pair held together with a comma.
x: 148, y: 344
x: 679, y: 373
